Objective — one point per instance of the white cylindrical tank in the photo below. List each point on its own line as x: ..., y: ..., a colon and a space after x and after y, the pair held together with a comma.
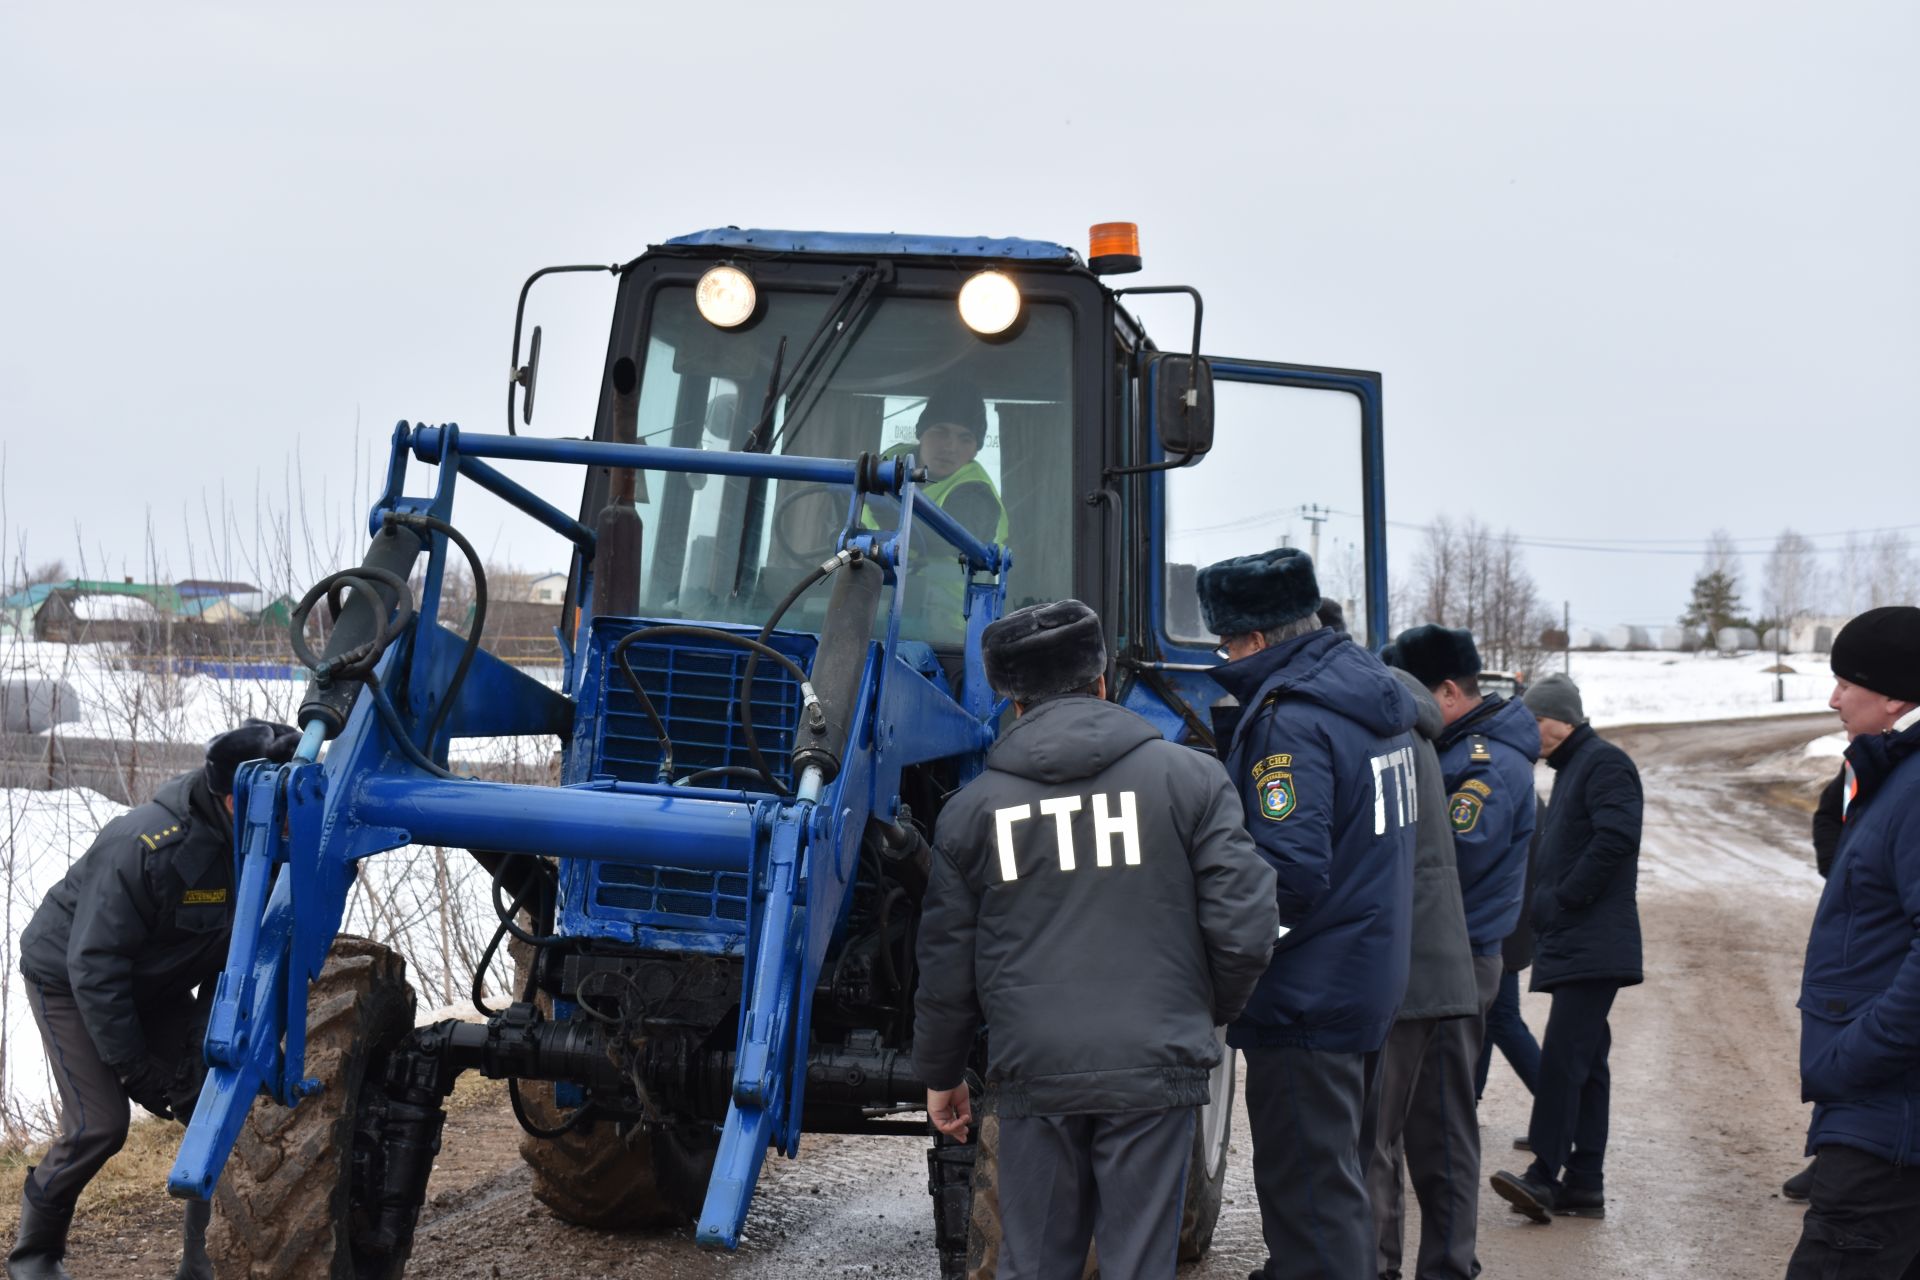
x: 1675, y: 640
x: 1626, y: 637
x: 1733, y: 639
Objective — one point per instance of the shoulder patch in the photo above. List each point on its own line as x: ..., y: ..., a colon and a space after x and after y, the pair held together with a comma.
x: 1277, y: 794
x: 1482, y: 753
x: 203, y: 897
x: 1282, y: 761
x: 1463, y: 811
x: 165, y: 835
x: 1474, y: 784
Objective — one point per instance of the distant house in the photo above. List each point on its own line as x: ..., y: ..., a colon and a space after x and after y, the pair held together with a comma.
x: 80, y: 611
x: 550, y: 588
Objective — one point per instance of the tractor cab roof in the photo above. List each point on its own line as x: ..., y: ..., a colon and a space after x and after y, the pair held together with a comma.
x: 866, y: 244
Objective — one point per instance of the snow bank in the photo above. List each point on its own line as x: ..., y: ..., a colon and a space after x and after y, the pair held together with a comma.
x: 1668, y: 688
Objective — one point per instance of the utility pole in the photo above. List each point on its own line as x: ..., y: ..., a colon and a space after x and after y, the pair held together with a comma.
x: 1315, y: 515
x: 1566, y: 638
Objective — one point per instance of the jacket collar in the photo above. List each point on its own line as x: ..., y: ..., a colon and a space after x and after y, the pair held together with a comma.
x: 1248, y: 678
x: 1470, y: 722
x: 1872, y: 758
x: 1566, y: 751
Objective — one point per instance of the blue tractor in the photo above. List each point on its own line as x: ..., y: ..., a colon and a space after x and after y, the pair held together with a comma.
x: 769, y: 680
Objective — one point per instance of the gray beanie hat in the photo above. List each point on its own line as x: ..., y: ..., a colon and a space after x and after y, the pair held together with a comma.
x: 1556, y: 697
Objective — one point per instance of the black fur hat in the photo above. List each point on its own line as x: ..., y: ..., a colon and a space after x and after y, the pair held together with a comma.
x: 1259, y: 592
x: 253, y: 740
x: 1434, y: 654
x: 1043, y: 650
x: 957, y: 403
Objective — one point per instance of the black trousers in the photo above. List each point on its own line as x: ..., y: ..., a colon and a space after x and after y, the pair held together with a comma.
x: 93, y: 1108
x: 1116, y: 1180
x: 1305, y: 1109
x: 1570, y: 1107
x: 1863, y: 1220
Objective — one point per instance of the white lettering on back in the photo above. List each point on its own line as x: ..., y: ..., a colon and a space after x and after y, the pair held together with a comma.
x: 1106, y: 826
x: 1063, y: 808
x: 1003, y: 820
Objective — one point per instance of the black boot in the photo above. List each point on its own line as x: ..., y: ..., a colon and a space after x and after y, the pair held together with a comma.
x: 1528, y: 1194
x: 1799, y: 1186
x: 41, y: 1240
x: 194, y: 1262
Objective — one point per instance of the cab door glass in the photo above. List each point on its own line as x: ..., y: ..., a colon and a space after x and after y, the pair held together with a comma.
x: 1286, y: 470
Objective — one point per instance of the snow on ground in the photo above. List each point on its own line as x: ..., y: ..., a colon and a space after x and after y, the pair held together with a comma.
x: 43, y: 832
x: 1668, y: 688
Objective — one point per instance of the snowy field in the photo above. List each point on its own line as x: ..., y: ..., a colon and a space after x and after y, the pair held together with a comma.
x: 1669, y: 688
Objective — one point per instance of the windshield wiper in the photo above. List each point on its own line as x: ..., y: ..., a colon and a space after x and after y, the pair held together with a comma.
x: 840, y: 322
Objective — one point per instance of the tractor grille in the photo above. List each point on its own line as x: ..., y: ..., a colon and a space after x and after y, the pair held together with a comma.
x: 694, y: 687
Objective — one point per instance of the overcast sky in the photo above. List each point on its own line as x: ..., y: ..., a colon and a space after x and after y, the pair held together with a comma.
x: 1630, y: 270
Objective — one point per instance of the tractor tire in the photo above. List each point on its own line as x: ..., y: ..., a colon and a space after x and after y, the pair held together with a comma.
x: 281, y: 1206
x: 1207, y: 1167
x: 1206, y: 1178
x: 595, y: 1176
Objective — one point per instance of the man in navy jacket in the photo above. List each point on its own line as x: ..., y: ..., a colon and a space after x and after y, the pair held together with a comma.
x: 1586, y: 925
x: 1860, y: 995
x: 1487, y: 749
x: 1322, y: 757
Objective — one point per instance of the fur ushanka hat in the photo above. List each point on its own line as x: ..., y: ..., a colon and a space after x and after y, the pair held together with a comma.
x: 1259, y: 592
x: 1433, y: 654
x: 1044, y: 650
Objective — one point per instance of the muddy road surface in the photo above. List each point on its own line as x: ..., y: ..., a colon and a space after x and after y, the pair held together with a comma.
x: 1706, y: 1121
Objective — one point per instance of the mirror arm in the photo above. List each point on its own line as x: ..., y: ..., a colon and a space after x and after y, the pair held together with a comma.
x: 1193, y: 376
x: 516, y: 376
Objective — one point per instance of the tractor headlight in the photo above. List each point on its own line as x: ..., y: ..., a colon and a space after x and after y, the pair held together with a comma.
x: 725, y: 296
x: 990, y: 303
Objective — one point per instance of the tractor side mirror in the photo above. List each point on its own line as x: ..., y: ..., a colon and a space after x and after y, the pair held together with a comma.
x: 1183, y: 405
x: 525, y: 376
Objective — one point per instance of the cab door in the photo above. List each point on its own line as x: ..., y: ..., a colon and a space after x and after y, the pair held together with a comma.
x: 1296, y: 461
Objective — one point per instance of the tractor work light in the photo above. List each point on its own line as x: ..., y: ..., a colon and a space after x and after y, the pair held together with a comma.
x: 725, y: 296
x: 1113, y: 248
x: 990, y: 303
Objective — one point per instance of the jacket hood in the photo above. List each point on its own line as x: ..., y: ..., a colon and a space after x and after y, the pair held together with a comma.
x: 1426, y: 710
x: 1068, y: 738
x: 1328, y: 668
x: 1505, y: 720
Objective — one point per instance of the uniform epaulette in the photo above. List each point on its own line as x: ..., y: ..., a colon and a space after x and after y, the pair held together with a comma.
x: 164, y: 836
x: 1481, y: 753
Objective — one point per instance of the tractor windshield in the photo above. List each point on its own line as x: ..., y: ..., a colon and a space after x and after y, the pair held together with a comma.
x: 991, y: 421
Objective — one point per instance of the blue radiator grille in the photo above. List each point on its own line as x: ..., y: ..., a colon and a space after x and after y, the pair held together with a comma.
x: 694, y: 687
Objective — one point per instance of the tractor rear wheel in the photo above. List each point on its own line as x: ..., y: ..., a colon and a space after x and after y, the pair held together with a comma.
x: 281, y: 1208
x: 596, y: 1176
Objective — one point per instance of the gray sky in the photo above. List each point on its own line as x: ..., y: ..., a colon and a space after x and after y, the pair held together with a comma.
x: 1630, y: 270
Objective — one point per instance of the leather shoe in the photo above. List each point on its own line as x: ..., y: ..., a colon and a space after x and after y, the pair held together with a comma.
x: 1526, y: 1194
x: 1799, y: 1186
x: 1579, y: 1202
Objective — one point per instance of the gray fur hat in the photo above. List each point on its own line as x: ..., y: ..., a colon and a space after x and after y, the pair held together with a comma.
x: 1260, y: 592
x: 1043, y: 650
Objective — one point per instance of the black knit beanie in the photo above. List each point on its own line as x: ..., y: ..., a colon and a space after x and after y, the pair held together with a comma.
x: 1880, y: 650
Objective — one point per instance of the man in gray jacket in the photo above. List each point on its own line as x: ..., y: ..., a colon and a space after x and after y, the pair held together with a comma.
x: 1096, y: 900
x: 1419, y: 1088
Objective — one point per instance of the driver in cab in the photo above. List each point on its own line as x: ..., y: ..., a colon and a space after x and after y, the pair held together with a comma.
x: 947, y: 438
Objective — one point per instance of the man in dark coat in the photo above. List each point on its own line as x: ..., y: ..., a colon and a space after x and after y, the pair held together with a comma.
x: 1860, y: 995
x: 1320, y: 750
x: 112, y: 961
x: 1096, y: 901
x: 1441, y: 995
x: 1586, y: 948
x: 1828, y: 819
x: 1486, y: 750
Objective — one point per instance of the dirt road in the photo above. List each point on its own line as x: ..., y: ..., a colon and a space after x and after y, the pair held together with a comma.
x: 1705, y: 1118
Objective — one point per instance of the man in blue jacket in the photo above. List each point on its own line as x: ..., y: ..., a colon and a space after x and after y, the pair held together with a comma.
x: 1487, y: 749
x: 1860, y: 995
x: 1321, y: 753
x: 1586, y: 924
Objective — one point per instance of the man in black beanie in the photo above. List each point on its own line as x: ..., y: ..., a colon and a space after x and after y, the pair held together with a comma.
x: 1320, y: 750
x: 1095, y: 900
x: 112, y: 961
x: 1860, y: 994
